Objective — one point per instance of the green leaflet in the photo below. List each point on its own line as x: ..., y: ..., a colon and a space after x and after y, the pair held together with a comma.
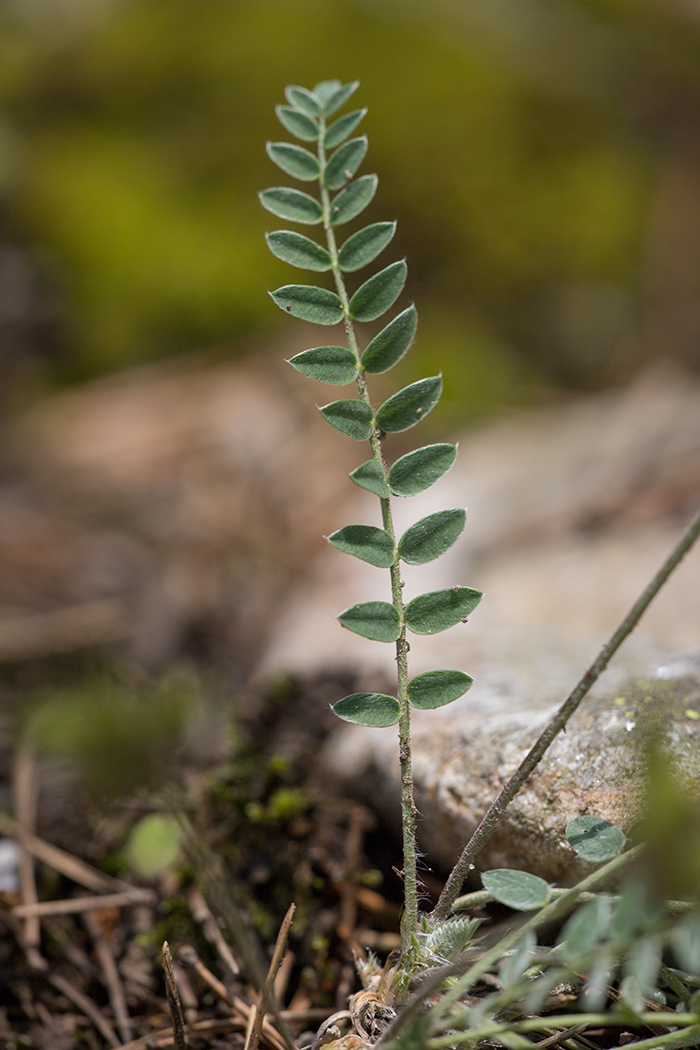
x: 365, y: 245
x: 410, y: 405
x: 516, y: 962
x: 389, y: 345
x: 376, y: 620
x: 367, y: 543
x: 368, y: 709
x: 348, y: 204
x: 344, y: 162
x: 594, y: 839
x: 326, y: 89
x: 303, y: 99
x: 437, y: 688
x: 327, y: 364
x: 375, y: 296
x: 352, y: 416
x: 431, y: 536
x: 437, y: 610
x: 309, y: 303
x: 342, y: 128
x: 298, y: 250
x: 339, y: 97
x: 297, y: 123
x: 418, y: 470
x: 586, y: 926
x: 517, y: 889
x: 296, y: 161
x: 292, y: 205
x: 369, y: 475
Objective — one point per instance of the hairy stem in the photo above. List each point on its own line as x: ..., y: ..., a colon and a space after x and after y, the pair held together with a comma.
x: 409, y: 921
x: 453, y: 885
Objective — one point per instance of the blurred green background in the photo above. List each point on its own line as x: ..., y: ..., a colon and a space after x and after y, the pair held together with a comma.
x: 542, y: 158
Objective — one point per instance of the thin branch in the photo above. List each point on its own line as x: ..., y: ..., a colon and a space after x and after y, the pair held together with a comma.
x: 253, y: 1038
x: 476, y: 843
x: 173, y: 1000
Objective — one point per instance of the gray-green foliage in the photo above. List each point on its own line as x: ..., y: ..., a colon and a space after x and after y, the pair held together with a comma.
x: 341, y: 198
x: 605, y: 938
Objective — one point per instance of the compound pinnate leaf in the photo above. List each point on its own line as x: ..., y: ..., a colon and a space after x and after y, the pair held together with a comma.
x: 407, y: 407
x: 342, y: 128
x: 339, y: 97
x: 594, y: 839
x: 297, y: 123
x: 365, y: 245
x: 368, y: 709
x: 437, y: 610
x: 296, y: 161
x: 309, y: 303
x: 389, y: 345
x: 298, y: 250
x: 378, y: 293
x: 367, y: 543
x: 431, y: 536
x: 369, y: 475
x: 352, y: 416
x: 325, y: 89
x: 516, y: 889
x: 303, y: 99
x: 348, y: 204
x: 418, y: 470
x: 293, y: 205
x: 327, y: 364
x: 437, y: 688
x: 376, y: 620
x: 345, y: 162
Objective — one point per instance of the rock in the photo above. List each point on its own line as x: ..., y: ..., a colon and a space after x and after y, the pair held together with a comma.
x: 571, y: 511
x: 460, y: 764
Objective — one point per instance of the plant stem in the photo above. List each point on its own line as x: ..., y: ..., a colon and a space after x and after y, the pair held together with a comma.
x: 688, y: 1036
x: 454, y: 883
x: 409, y: 920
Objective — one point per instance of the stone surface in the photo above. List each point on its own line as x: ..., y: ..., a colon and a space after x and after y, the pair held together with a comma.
x: 596, y: 767
x: 571, y: 511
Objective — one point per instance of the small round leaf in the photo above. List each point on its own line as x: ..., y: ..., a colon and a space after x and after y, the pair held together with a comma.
x: 375, y: 296
x: 365, y: 245
x: 376, y: 620
x: 431, y: 536
x: 437, y: 610
x: 342, y: 128
x: 344, y: 162
x: 298, y: 250
x: 410, y: 405
x: 594, y: 839
x: 437, y: 688
x: 292, y: 205
x: 367, y: 543
x: 327, y: 364
x: 389, y: 345
x: 368, y: 709
x: 154, y: 844
x: 296, y: 123
x: 296, y: 161
x: 516, y: 889
x: 418, y: 470
x: 309, y: 303
x: 369, y: 475
x: 350, y: 415
x: 303, y: 99
x: 348, y: 204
